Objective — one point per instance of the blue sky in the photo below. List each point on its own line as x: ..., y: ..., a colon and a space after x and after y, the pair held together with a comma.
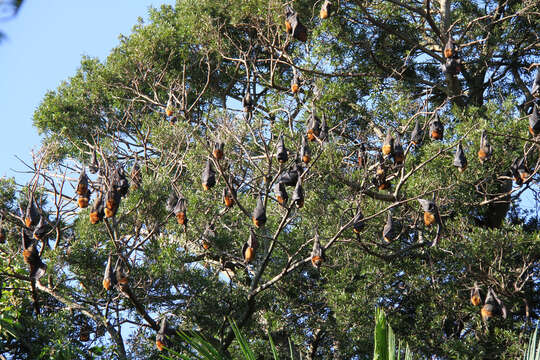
x: 44, y: 45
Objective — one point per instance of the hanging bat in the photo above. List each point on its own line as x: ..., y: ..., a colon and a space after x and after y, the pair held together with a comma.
x: 109, y: 278
x: 380, y: 176
x: 161, y: 340
x: 208, y: 176
x: 519, y: 171
x: 119, y: 182
x: 98, y: 210
x: 290, y: 177
x: 389, y: 230
x: 298, y: 195
x: 450, y: 50
x: 388, y: 144
x: 362, y: 156
x: 208, y: 237
x: 436, y: 128
x: 82, y: 185
x: 259, y: 214
x: 417, y: 134
x: 228, y: 197
x: 535, y: 90
x: 358, y: 222
x: 169, y: 110
x: 171, y: 201
x: 522, y: 171
x: 281, y: 194
x: 247, y: 103
x: 317, y: 256
x: 431, y: 212
x: 485, y: 151
x: 112, y: 202
x: 84, y: 334
x: 294, y: 26
x: 313, y: 127
x: 323, y: 135
x: 249, y: 248
x: 94, y: 166
x: 475, y: 295
x: 534, y: 120
x: 305, y: 151
x: 218, y: 150
x: 120, y: 276
x: 432, y: 216
x: 2, y: 234
x: 82, y: 190
x: 31, y: 256
x: 295, y: 83
x: 180, y: 210
x: 493, y: 306
x: 326, y: 9
x: 398, y: 153
x: 451, y: 66
x: 41, y: 230
x: 31, y: 217
x: 136, y: 175
x: 282, y: 154
x: 460, y: 161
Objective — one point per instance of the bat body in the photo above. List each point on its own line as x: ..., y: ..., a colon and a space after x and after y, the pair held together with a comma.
x: 535, y: 90
x: 112, y: 202
x: 98, y: 211
x: 281, y: 193
x: 247, y: 103
x: 485, y: 151
x: 228, y: 197
x: 436, y: 128
x: 208, y: 176
x: 180, y: 210
x: 136, y: 176
x: 388, y: 145
x: 31, y: 217
x: 389, y: 230
x: 493, y: 306
x: 259, y: 214
x: 362, y: 157
x: 398, y: 153
x: 290, y: 177
x: 218, y: 150
x: 282, y: 154
x: 249, y: 248
x: 417, y: 134
x: 475, y: 295
x: 326, y: 9
x: 431, y: 212
x: 534, y: 120
x: 317, y: 257
x: 358, y: 222
x: 161, y: 335
x: 294, y: 26
x: 31, y: 256
x: 305, y: 151
x: 460, y: 160
x: 298, y: 195
x: 313, y: 127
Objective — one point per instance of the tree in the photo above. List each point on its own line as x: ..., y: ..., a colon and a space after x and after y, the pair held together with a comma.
x: 206, y: 72
x: 8, y: 9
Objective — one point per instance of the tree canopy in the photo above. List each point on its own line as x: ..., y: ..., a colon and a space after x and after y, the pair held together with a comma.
x: 289, y: 165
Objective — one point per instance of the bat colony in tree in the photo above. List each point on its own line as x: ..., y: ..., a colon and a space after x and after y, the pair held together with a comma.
x: 113, y: 184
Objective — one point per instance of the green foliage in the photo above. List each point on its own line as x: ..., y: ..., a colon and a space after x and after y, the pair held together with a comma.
x: 370, y: 68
